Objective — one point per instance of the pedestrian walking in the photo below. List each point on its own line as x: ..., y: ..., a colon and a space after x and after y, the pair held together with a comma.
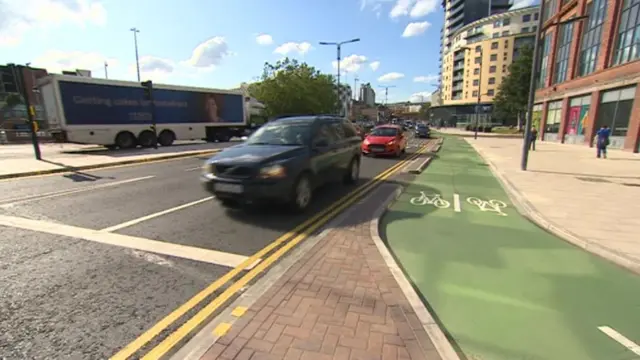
x: 533, y: 138
x: 602, y: 141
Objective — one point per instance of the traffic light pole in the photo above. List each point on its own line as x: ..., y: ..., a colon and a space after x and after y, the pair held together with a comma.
x: 30, y: 113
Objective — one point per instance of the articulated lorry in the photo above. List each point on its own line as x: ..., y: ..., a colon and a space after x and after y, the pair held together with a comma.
x: 115, y: 113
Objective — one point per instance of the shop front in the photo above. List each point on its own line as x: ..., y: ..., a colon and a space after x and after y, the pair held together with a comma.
x: 614, y: 111
x: 576, y: 117
x: 553, y: 120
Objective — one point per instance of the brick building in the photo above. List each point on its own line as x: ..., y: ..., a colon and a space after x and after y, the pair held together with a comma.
x: 589, y: 72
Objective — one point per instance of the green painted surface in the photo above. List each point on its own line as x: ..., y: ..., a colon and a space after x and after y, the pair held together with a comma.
x: 502, y: 287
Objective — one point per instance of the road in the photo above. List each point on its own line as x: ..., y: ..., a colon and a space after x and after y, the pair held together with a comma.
x: 502, y: 287
x: 72, y: 291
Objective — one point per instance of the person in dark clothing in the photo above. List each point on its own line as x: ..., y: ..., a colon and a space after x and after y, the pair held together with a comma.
x: 602, y: 141
x: 533, y: 138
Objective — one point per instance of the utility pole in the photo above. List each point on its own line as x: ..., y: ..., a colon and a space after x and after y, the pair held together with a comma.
x: 18, y: 73
x: 338, y: 46
x: 355, y: 87
x: 386, y: 92
x: 106, y: 72
x: 135, y: 42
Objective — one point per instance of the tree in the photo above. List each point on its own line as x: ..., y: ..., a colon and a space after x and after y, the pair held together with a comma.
x: 513, y: 93
x: 290, y: 87
x: 13, y: 100
x: 424, y: 111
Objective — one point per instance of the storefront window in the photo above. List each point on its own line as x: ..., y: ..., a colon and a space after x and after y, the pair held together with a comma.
x: 628, y: 37
x: 554, y: 116
x: 578, y: 113
x: 615, y: 110
x: 544, y: 62
x: 592, y: 36
x: 536, y: 116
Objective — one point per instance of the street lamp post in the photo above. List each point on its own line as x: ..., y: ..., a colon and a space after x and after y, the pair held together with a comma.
x: 475, y: 127
x: 338, y: 46
x: 135, y: 42
x: 535, y: 67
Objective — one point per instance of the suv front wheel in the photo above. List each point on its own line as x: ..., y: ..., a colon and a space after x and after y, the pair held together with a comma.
x: 353, y: 172
x: 301, y: 194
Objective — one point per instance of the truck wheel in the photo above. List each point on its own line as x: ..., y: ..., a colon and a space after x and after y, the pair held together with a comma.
x: 166, y: 138
x: 147, y: 139
x: 125, y: 140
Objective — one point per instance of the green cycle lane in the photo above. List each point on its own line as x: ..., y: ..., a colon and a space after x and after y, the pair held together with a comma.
x: 501, y: 287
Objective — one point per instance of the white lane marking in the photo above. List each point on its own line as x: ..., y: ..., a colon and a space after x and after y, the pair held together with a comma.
x: 456, y: 203
x: 193, y: 169
x: 15, y: 201
x: 154, y: 215
x: 621, y: 339
x: 129, y: 242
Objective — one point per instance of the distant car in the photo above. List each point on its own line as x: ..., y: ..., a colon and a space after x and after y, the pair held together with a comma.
x: 423, y: 131
x: 385, y: 140
x: 285, y: 161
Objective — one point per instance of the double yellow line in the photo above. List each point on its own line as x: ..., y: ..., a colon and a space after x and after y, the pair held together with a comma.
x: 295, y: 236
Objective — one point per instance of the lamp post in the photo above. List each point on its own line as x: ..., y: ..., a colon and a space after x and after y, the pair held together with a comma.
x: 338, y: 46
x: 535, y: 68
x: 135, y: 43
x: 18, y: 74
x: 475, y: 127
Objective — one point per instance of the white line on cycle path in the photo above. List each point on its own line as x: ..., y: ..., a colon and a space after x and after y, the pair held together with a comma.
x: 130, y: 242
x: 456, y: 203
x: 621, y: 339
x: 15, y: 201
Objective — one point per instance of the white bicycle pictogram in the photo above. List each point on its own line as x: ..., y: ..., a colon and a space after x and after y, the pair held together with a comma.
x: 434, y: 200
x: 488, y: 205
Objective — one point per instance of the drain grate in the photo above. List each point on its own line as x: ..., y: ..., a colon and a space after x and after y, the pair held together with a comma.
x: 592, y: 179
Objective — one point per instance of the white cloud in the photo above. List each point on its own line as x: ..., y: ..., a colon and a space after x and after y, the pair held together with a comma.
x: 264, y: 39
x: 209, y: 53
x: 57, y: 61
x: 154, y: 68
x: 426, y: 79
x: 20, y: 16
x: 390, y: 77
x: 351, y: 63
x: 415, y: 28
x: 423, y: 8
x: 293, y: 47
x: 517, y: 4
x: 374, y: 65
x: 401, y: 8
x: 420, y: 97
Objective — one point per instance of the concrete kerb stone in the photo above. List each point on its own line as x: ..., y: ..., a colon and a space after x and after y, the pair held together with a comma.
x: 108, y: 164
x: 526, y: 209
x: 417, y: 166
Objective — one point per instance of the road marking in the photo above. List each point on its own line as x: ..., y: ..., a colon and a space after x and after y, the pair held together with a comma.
x: 433, y: 199
x: 154, y: 215
x: 130, y: 242
x: 621, y: 339
x: 11, y: 202
x: 493, y: 205
x: 456, y: 202
x: 301, y: 232
x: 193, y: 169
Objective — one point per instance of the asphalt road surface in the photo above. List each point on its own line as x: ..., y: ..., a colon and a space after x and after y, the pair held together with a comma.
x: 69, y: 291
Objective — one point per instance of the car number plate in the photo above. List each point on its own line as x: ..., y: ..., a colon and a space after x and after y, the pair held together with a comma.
x: 377, y: 149
x: 229, y: 188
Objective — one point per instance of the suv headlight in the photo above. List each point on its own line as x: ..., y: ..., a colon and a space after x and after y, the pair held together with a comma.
x: 273, y: 171
x: 207, y: 168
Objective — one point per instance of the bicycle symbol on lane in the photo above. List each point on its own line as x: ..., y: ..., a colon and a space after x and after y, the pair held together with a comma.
x: 488, y: 205
x: 433, y: 199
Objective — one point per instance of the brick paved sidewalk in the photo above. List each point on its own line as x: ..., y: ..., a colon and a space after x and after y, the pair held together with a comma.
x: 339, y: 301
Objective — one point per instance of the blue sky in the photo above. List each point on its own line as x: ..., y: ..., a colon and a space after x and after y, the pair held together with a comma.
x: 214, y: 43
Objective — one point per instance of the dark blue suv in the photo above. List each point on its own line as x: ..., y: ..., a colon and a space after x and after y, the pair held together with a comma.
x: 285, y: 161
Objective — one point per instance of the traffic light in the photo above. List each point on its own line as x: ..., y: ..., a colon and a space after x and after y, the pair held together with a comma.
x: 148, y: 89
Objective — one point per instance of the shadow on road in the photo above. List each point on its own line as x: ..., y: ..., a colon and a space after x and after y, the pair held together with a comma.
x: 76, y: 175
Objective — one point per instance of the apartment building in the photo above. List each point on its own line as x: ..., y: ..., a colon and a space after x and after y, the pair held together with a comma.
x: 589, y: 72
x: 367, y: 95
x: 478, y: 60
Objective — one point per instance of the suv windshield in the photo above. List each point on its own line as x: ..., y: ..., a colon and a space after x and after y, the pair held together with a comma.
x: 288, y: 133
x: 385, y: 131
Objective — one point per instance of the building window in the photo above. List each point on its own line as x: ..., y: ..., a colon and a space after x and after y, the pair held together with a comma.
x: 478, y: 48
x: 554, y: 117
x: 615, y: 110
x: 475, y: 93
x: 596, y: 10
x: 628, y: 39
x: 494, y: 45
x: 536, y: 115
x: 526, y: 18
x: 549, y: 9
x: 506, y: 21
x: 493, y: 57
x: 505, y: 33
x: 578, y: 111
x: 562, y: 53
x: 492, y: 69
x: 544, y: 63
x: 535, y: 16
x: 490, y: 92
x: 492, y: 81
x: 524, y: 30
x: 475, y: 82
x: 478, y: 60
x: 476, y: 71
x: 497, y: 24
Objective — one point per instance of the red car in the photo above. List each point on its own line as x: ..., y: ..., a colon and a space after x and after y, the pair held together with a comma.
x: 385, y: 140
